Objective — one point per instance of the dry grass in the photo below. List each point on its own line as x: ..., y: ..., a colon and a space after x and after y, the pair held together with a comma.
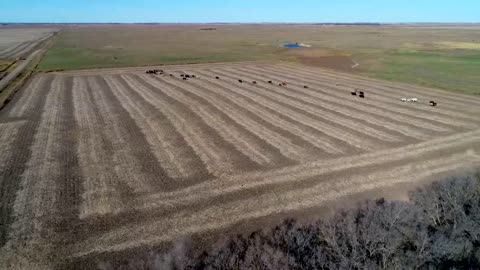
x: 113, y: 161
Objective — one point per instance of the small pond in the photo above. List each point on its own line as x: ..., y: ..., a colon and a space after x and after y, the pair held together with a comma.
x: 293, y: 46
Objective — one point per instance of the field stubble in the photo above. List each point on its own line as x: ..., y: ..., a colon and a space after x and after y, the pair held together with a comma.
x: 105, y: 162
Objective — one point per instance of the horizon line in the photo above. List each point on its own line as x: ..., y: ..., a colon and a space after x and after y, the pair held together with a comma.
x: 327, y: 23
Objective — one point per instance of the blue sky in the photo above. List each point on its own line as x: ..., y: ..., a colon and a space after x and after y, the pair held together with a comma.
x: 190, y: 11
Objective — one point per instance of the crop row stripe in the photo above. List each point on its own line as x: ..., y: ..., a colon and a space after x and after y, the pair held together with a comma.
x: 454, y: 102
x: 177, y: 158
x: 422, y: 113
x: 333, y: 104
x: 35, y: 203
x: 29, y: 96
x: 389, y: 86
x: 344, y: 120
x: 282, y: 124
x: 100, y: 183
x: 224, y: 122
x: 391, y: 111
x: 298, y: 114
x: 217, y: 159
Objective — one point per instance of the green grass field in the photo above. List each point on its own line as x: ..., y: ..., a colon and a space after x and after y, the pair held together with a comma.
x: 459, y: 73
x: 447, y: 58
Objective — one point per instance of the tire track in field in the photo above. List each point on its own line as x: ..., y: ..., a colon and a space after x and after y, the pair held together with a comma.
x: 386, y: 101
x: 347, y: 120
x: 307, y: 118
x: 255, y: 180
x: 264, y: 205
x: 379, y: 87
x: 134, y: 161
x: 333, y: 105
x: 102, y: 194
x: 15, y: 166
x: 16, y: 53
x: 387, y: 85
x: 24, y: 47
x: 13, y: 53
x: 9, y: 48
x: 32, y: 46
x: 296, y: 132
x: 5, y: 54
x: 224, y: 123
x: 218, y: 155
x: 403, y: 114
x: 168, y: 145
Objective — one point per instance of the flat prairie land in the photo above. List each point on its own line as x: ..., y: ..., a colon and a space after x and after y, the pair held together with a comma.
x: 436, y: 56
x: 18, y: 41
x: 99, y: 163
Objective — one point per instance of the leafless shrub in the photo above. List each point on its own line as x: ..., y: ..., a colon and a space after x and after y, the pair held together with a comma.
x: 452, y: 212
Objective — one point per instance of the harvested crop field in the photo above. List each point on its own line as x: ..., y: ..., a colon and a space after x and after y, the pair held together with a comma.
x: 111, y: 161
x: 18, y: 42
